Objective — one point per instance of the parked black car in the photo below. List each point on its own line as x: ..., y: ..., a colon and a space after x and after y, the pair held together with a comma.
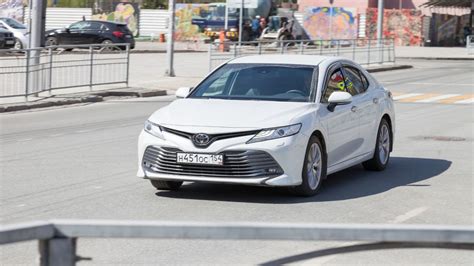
x: 7, y: 40
x: 91, y: 32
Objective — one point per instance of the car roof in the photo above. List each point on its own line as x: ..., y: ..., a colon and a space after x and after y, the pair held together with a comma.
x: 311, y: 60
x: 106, y: 21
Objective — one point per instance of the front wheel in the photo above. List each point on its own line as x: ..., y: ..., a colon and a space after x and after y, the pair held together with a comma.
x: 166, y: 185
x: 51, y: 41
x: 382, y: 149
x: 18, y: 44
x: 314, y: 169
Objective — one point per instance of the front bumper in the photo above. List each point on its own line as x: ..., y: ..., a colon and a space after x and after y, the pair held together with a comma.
x: 288, y: 153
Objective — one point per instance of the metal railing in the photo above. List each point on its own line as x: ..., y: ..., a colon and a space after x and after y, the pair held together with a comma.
x: 470, y: 44
x: 31, y: 71
x: 363, y: 51
x: 57, y: 239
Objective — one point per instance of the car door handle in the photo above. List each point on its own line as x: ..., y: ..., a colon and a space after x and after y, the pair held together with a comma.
x: 354, y: 109
x: 375, y: 100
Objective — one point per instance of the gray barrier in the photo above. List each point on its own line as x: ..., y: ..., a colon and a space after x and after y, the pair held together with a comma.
x: 470, y: 44
x: 362, y: 51
x: 31, y: 71
x: 57, y: 239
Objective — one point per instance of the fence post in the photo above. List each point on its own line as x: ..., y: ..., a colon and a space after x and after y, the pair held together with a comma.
x: 282, y: 47
x: 91, y: 51
x: 57, y: 252
x: 209, y: 54
x: 259, y: 48
x: 27, y: 80
x: 50, y: 53
x: 381, y: 46
x: 321, y: 47
x: 393, y: 50
x: 235, y: 49
x: 368, y: 53
x: 301, y: 47
x: 354, y: 43
x: 128, y: 63
x: 338, y: 46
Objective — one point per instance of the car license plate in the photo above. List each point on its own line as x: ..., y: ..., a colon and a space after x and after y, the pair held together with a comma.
x: 200, y: 158
x: 10, y: 42
x: 128, y: 36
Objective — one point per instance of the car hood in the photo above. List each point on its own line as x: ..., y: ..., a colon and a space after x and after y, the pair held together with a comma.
x: 216, y: 115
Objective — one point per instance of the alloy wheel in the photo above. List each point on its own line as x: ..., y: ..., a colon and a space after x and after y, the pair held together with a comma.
x: 314, y: 166
x: 384, y: 144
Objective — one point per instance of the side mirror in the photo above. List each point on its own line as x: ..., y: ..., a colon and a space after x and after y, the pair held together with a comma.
x: 182, y: 92
x: 339, y: 98
x: 67, y: 30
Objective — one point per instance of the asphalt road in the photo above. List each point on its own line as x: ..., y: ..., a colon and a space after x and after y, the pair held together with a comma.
x: 80, y: 162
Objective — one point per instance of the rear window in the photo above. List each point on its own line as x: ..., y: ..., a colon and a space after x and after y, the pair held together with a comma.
x: 123, y: 28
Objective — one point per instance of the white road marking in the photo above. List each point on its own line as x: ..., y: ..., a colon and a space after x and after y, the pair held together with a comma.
x: 84, y: 131
x: 437, y: 98
x: 411, y: 214
x: 428, y: 83
x: 465, y: 101
x: 25, y: 139
x: 56, y: 135
x: 21, y: 205
x: 408, y: 95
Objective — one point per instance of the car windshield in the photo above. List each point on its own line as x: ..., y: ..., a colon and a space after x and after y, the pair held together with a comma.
x: 268, y: 82
x: 13, y: 23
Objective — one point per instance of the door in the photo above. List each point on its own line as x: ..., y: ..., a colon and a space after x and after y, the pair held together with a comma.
x: 342, y: 124
x: 76, y: 33
x: 366, y: 107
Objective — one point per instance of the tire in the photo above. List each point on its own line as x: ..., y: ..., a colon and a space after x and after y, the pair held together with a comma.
x: 312, y: 179
x: 166, y: 185
x: 382, y: 148
x: 51, y: 41
x: 109, y: 48
x: 18, y: 44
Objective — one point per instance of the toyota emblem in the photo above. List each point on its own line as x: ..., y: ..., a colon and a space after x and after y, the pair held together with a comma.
x: 201, y: 139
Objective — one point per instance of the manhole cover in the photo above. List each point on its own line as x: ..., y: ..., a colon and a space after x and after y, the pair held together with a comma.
x: 439, y: 138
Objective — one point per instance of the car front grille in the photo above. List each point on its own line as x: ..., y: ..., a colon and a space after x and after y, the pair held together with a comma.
x: 6, y: 35
x: 240, y: 164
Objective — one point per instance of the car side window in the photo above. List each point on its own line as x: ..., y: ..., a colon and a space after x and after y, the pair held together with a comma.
x: 78, y: 25
x: 93, y: 26
x: 353, y: 81
x: 365, y: 81
x: 335, y: 83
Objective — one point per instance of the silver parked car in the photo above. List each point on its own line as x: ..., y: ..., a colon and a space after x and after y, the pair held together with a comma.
x: 19, y: 31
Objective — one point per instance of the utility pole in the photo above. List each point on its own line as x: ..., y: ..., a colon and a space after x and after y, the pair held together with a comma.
x: 38, y: 21
x: 170, y: 42
x: 380, y: 21
x: 241, y: 21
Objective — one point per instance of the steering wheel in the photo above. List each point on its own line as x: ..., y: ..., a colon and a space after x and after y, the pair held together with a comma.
x: 297, y: 92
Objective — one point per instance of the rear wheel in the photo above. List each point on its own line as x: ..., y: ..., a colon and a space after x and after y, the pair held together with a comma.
x: 51, y: 41
x: 382, y: 149
x: 314, y: 169
x: 166, y: 185
x: 108, y: 48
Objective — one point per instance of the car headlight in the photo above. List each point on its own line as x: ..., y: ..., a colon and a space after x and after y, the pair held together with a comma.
x: 208, y: 29
x: 153, y: 129
x: 275, y: 133
x: 233, y: 29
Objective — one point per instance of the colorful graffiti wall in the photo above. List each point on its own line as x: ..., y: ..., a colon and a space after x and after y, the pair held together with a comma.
x: 403, y: 25
x: 185, y: 31
x: 12, y: 9
x: 124, y: 12
x: 330, y: 23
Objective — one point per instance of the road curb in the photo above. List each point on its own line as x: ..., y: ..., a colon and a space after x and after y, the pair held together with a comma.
x: 92, y: 98
x: 388, y: 68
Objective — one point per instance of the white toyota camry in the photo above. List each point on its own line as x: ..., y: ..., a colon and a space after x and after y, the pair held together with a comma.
x: 270, y: 120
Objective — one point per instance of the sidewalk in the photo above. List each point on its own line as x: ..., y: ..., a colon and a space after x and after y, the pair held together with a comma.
x: 401, y: 52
